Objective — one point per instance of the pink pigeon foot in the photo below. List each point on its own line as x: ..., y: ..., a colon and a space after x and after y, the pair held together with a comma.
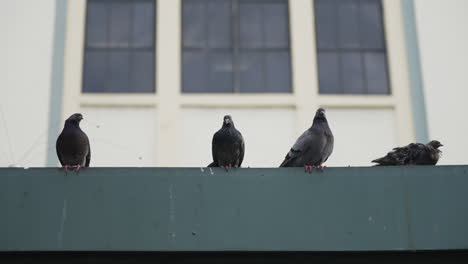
x: 321, y: 167
x: 308, y: 168
x: 78, y: 167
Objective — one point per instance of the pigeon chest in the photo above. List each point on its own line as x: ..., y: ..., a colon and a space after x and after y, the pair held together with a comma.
x: 73, y: 147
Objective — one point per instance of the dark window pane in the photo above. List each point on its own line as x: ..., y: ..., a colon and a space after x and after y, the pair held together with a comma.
x: 348, y: 24
x: 252, y: 72
x: 220, y: 71
x: 278, y: 71
x: 194, y: 19
x: 219, y: 26
x: 276, y: 25
x: 371, y: 25
x: 119, y: 51
x: 195, y: 72
x: 120, y: 24
x: 96, y: 26
x: 328, y: 72
x: 376, y: 72
x: 350, y: 45
x: 352, y: 73
x: 143, y: 24
x: 142, y: 78
x: 326, y: 23
x: 95, y: 71
x: 251, y: 35
x: 119, y: 71
x: 235, y: 46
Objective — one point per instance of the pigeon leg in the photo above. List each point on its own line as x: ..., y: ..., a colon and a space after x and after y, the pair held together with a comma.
x: 321, y: 167
x: 65, y: 167
x: 308, y: 168
x: 78, y: 167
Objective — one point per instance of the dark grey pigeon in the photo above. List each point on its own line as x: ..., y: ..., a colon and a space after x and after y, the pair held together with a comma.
x: 313, y: 147
x: 73, y: 145
x: 227, y: 146
x: 412, y: 154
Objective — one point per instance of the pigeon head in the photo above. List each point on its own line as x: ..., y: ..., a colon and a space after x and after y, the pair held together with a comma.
x: 74, y: 119
x: 320, y: 114
x: 227, y: 121
x: 435, y: 144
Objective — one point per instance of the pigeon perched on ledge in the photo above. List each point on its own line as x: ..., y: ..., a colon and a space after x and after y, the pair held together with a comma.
x: 227, y: 146
x: 313, y: 147
x: 412, y: 154
x: 72, y: 145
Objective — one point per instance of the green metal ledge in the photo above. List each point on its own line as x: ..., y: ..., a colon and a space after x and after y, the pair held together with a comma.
x: 200, y: 209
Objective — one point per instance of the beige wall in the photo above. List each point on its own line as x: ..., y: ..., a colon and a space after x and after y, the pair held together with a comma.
x: 268, y: 134
x: 154, y: 130
x: 121, y: 136
x: 443, y: 41
x: 184, y: 124
x: 26, y: 40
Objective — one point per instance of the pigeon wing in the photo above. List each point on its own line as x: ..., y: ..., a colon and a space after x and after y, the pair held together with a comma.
x: 242, y: 150
x: 215, y: 148
x: 58, y: 149
x: 308, y: 147
x: 328, y: 149
x: 88, y: 157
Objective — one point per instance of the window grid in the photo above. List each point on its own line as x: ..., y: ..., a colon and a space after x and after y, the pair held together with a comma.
x: 362, y: 49
x: 131, y: 48
x: 235, y: 48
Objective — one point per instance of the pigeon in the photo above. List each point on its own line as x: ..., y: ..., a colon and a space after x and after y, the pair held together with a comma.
x: 412, y: 154
x: 72, y: 145
x: 227, y: 146
x: 313, y: 147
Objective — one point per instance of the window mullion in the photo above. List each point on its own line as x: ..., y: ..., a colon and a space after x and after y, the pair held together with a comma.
x: 130, y: 46
x: 235, y: 26
x: 338, y: 46
x: 362, y: 52
x: 265, y: 47
x: 107, y: 72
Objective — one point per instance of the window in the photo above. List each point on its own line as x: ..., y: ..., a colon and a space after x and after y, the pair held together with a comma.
x: 232, y: 46
x: 119, y: 52
x: 351, y: 47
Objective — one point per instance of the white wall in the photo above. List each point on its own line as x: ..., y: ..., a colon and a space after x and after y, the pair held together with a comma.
x: 268, y: 133
x: 361, y: 135
x: 443, y: 41
x: 121, y: 136
x: 26, y: 41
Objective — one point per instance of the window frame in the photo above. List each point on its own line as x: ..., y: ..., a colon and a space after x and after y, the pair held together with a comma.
x: 359, y: 50
x: 128, y: 49
x: 236, y: 50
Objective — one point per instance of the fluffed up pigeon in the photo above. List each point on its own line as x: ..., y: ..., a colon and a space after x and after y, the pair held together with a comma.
x: 313, y: 147
x: 72, y: 145
x: 227, y: 146
x: 412, y: 154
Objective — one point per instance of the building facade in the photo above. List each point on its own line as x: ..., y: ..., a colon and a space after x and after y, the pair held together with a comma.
x: 153, y: 79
